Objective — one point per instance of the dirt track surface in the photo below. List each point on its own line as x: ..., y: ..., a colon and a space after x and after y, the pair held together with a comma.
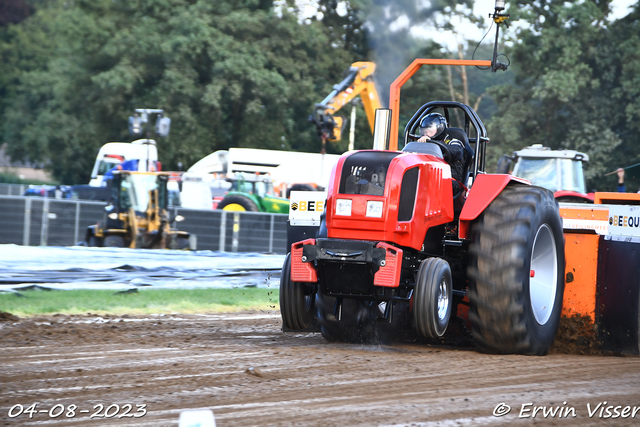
x: 179, y: 362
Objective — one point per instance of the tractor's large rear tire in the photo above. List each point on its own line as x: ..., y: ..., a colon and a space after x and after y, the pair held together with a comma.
x: 516, y: 267
x: 357, y: 323
x: 297, y: 303
x: 432, y: 301
x: 236, y: 202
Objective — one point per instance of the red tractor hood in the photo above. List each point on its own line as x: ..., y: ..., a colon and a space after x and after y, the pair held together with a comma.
x: 388, y: 196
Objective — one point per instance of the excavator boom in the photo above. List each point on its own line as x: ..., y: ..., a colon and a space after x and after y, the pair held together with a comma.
x: 358, y: 82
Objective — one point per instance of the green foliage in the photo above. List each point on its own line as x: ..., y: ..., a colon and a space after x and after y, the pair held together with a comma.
x: 573, y: 88
x: 23, y: 48
x: 12, y: 178
x: 344, y: 27
x: 229, y: 74
x: 247, y: 74
x: 392, y: 44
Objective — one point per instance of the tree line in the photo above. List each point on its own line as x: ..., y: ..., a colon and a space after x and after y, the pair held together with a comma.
x: 247, y: 73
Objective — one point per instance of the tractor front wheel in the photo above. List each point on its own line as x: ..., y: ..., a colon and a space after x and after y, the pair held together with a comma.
x: 296, y: 302
x: 432, y: 301
x: 516, y: 267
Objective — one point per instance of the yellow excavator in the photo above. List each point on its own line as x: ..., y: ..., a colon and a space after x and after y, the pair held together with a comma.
x: 358, y: 82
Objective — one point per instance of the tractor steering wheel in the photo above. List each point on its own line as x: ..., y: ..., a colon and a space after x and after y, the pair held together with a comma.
x: 446, y: 154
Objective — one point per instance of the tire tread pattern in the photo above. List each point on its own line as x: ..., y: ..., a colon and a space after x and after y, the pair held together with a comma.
x: 425, y: 307
x: 293, y: 307
x: 496, y: 271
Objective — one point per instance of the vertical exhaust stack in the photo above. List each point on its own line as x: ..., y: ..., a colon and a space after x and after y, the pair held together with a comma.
x: 382, y: 129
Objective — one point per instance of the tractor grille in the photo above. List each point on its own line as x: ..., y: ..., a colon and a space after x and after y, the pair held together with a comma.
x: 347, y: 278
x: 408, y: 194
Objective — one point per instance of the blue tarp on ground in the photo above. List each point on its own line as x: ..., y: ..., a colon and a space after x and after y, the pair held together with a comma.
x: 116, y: 268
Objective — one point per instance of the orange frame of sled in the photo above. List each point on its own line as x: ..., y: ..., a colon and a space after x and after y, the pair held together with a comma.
x: 394, y: 93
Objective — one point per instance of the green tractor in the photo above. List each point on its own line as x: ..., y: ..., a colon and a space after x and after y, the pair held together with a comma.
x: 253, y: 193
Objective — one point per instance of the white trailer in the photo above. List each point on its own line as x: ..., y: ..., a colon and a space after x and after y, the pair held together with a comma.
x: 286, y: 168
x: 112, y: 154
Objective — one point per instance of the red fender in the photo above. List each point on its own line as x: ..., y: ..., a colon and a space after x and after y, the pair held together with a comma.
x: 485, y: 189
x: 566, y: 193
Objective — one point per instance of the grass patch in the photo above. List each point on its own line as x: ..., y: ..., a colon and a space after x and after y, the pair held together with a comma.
x: 145, y: 301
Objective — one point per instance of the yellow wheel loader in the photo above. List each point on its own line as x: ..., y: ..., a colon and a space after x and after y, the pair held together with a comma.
x: 136, y: 215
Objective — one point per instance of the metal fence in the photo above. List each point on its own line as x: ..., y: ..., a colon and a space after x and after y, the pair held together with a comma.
x: 38, y: 221
x: 13, y: 189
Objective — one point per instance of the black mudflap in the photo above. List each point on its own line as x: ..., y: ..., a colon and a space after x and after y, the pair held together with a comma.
x: 617, y: 304
x: 298, y: 233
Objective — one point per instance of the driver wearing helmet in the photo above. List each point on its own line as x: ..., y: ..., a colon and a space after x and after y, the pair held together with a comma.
x: 434, y: 127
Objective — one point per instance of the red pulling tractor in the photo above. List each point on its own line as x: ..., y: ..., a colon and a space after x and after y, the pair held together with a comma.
x: 397, y: 248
